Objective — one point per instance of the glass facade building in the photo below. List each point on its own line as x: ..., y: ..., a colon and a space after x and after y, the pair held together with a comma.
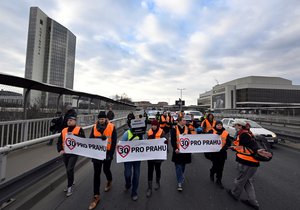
x: 252, y: 92
x: 50, y: 56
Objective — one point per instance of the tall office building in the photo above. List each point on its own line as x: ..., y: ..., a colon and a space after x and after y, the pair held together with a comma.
x: 50, y: 56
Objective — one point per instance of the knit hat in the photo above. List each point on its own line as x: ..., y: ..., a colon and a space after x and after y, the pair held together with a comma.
x: 154, y: 122
x: 219, y: 122
x: 72, y: 115
x: 102, y: 114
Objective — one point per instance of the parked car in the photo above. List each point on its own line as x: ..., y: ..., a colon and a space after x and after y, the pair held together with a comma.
x: 255, y: 128
x: 197, y: 114
x: 152, y: 115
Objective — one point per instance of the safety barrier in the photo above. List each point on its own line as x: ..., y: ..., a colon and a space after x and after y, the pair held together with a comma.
x: 119, y: 122
x: 14, y: 132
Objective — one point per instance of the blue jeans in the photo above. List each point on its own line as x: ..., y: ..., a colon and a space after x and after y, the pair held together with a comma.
x: 180, y: 172
x: 135, y: 165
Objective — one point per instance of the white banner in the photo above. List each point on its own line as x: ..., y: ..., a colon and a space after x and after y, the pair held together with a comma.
x: 87, y: 147
x: 198, y: 143
x: 138, y: 123
x: 136, y: 150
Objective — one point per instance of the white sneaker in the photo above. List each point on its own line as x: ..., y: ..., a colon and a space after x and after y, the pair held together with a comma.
x: 179, y: 187
x: 66, y: 189
x: 69, y: 191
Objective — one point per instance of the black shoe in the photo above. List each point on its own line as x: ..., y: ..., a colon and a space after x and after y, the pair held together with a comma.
x: 220, y: 184
x: 157, y: 186
x: 231, y: 195
x: 247, y: 202
x: 212, y: 176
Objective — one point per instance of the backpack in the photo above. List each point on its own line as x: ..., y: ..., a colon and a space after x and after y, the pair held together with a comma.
x: 262, y: 143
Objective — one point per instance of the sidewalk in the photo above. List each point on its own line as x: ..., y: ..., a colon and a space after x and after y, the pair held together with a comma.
x: 23, y: 160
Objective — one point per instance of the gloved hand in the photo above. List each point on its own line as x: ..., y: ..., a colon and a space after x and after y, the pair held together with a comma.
x: 166, y: 141
x: 103, y: 137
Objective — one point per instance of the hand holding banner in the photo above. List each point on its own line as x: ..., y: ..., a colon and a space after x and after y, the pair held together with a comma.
x: 139, y: 150
x: 87, y: 147
x: 199, y: 143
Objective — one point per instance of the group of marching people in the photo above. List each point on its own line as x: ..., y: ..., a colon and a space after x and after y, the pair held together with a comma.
x: 165, y: 127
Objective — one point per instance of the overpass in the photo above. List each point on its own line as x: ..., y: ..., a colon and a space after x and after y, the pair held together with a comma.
x: 33, y: 175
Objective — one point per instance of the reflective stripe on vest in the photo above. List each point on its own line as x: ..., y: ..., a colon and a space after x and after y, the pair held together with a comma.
x: 158, y: 133
x: 164, y: 120
x: 244, y: 153
x: 107, y: 132
x: 178, y: 133
x: 64, y: 132
x: 130, y: 135
x: 208, y: 125
x: 223, y: 137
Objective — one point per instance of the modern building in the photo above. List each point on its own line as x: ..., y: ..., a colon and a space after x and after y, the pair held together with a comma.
x: 253, y: 92
x: 50, y: 56
x: 10, y: 99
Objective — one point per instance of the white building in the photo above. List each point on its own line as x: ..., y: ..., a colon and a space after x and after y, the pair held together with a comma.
x: 250, y: 93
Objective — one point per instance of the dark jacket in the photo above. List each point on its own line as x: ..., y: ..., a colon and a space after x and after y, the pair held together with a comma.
x: 56, y: 124
x: 181, y: 158
x: 110, y: 115
x: 114, y: 137
x: 247, y: 141
x: 70, y: 129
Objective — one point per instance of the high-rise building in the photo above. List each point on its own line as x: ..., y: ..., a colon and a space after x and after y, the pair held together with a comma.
x: 50, y: 56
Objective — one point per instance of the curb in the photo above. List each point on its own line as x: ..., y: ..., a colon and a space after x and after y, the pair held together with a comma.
x: 291, y: 145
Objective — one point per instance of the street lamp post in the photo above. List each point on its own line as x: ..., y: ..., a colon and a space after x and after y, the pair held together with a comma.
x: 181, y: 89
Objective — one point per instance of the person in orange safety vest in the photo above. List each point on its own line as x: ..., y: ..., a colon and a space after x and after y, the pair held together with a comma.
x: 244, y: 146
x: 208, y: 124
x: 104, y: 130
x: 218, y: 158
x: 155, y: 132
x: 69, y: 159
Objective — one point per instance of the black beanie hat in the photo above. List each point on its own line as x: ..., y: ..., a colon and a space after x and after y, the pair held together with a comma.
x: 102, y: 114
x: 219, y: 122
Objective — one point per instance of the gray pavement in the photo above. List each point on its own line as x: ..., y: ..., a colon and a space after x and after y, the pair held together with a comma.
x: 23, y: 160
x: 276, y: 184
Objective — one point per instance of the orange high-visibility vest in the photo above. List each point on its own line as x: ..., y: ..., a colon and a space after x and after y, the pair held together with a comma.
x: 192, y: 128
x: 223, y: 136
x: 107, y: 132
x: 164, y: 120
x: 158, y: 133
x: 244, y: 153
x: 178, y: 133
x: 64, y: 132
x: 208, y: 125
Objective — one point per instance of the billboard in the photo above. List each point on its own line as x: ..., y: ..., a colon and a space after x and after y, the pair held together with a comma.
x: 218, y: 101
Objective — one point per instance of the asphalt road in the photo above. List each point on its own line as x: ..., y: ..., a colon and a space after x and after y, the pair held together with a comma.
x: 277, y: 186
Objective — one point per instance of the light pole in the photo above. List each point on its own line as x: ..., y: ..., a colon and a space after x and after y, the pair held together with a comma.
x: 181, y: 89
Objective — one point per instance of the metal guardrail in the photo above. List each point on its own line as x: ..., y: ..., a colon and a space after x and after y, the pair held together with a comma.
x: 10, y: 188
x: 14, y: 132
x: 119, y: 122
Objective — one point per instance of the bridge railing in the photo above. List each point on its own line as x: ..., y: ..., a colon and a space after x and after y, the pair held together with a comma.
x: 119, y: 122
x: 14, y: 132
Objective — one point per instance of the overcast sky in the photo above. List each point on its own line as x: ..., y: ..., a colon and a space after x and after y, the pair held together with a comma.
x: 148, y: 49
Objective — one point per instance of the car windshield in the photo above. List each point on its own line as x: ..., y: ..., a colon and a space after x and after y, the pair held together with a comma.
x: 195, y: 113
x: 253, y: 124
